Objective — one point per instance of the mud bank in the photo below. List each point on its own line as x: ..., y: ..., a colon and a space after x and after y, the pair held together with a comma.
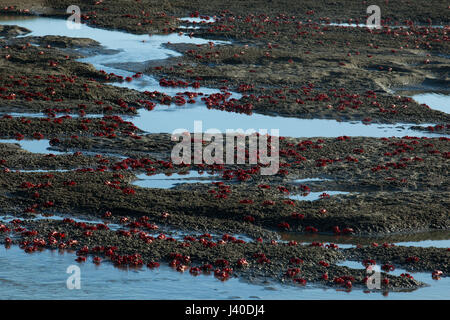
x: 351, y: 163
x: 155, y: 16
x: 289, y: 263
x: 410, y: 196
x: 41, y: 74
x: 314, y: 82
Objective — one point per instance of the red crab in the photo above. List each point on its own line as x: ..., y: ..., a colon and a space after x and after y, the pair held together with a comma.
x: 182, y: 268
x: 437, y: 274
x: 300, y: 281
x: 324, y: 264
x: 284, y: 225
x: 348, y: 231
x: 195, y: 271
x: 223, y: 274
x: 153, y: 265
x: 249, y: 219
x: 165, y: 215
x: 80, y: 259
x: 311, y: 229
x: 296, y: 215
x: 296, y: 261
x: 412, y: 259
x: 388, y: 267
x: 242, y: 263
x: 292, y: 272
x: 222, y: 262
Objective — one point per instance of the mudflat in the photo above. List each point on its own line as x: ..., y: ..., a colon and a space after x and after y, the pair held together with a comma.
x: 291, y: 64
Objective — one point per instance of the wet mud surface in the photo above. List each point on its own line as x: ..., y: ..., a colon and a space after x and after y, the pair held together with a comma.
x: 314, y: 83
x: 40, y: 74
x: 395, y: 186
x: 153, y: 16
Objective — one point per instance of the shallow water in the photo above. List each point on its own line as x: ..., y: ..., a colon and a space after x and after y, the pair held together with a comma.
x: 43, y: 147
x: 437, y: 239
x: 198, y: 22
x: 435, y: 101
x: 426, y: 243
x: 309, y: 180
x: 198, y: 19
x: 370, y: 26
x: 133, y: 48
x: 35, y: 146
x: 155, y: 121
x: 148, y: 83
x: 42, y: 171
x: 43, y: 276
x: 313, y: 196
x: 163, y: 181
x: 43, y: 115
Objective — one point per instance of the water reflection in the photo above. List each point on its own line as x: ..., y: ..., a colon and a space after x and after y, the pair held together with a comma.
x: 439, y: 239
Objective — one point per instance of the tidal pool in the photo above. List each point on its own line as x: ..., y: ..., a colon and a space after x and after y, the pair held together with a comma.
x: 313, y: 196
x: 131, y: 47
x: 438, y: 239
x: 164, y: 181
x: 34, y: 146
x: 435, y: 101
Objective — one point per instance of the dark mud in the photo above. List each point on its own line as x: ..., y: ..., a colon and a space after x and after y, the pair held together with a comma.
x: 64, y: 126
x: 155, y: 16
x: 12, y: 31
x: 352, y: 164
x: 403, y: 192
